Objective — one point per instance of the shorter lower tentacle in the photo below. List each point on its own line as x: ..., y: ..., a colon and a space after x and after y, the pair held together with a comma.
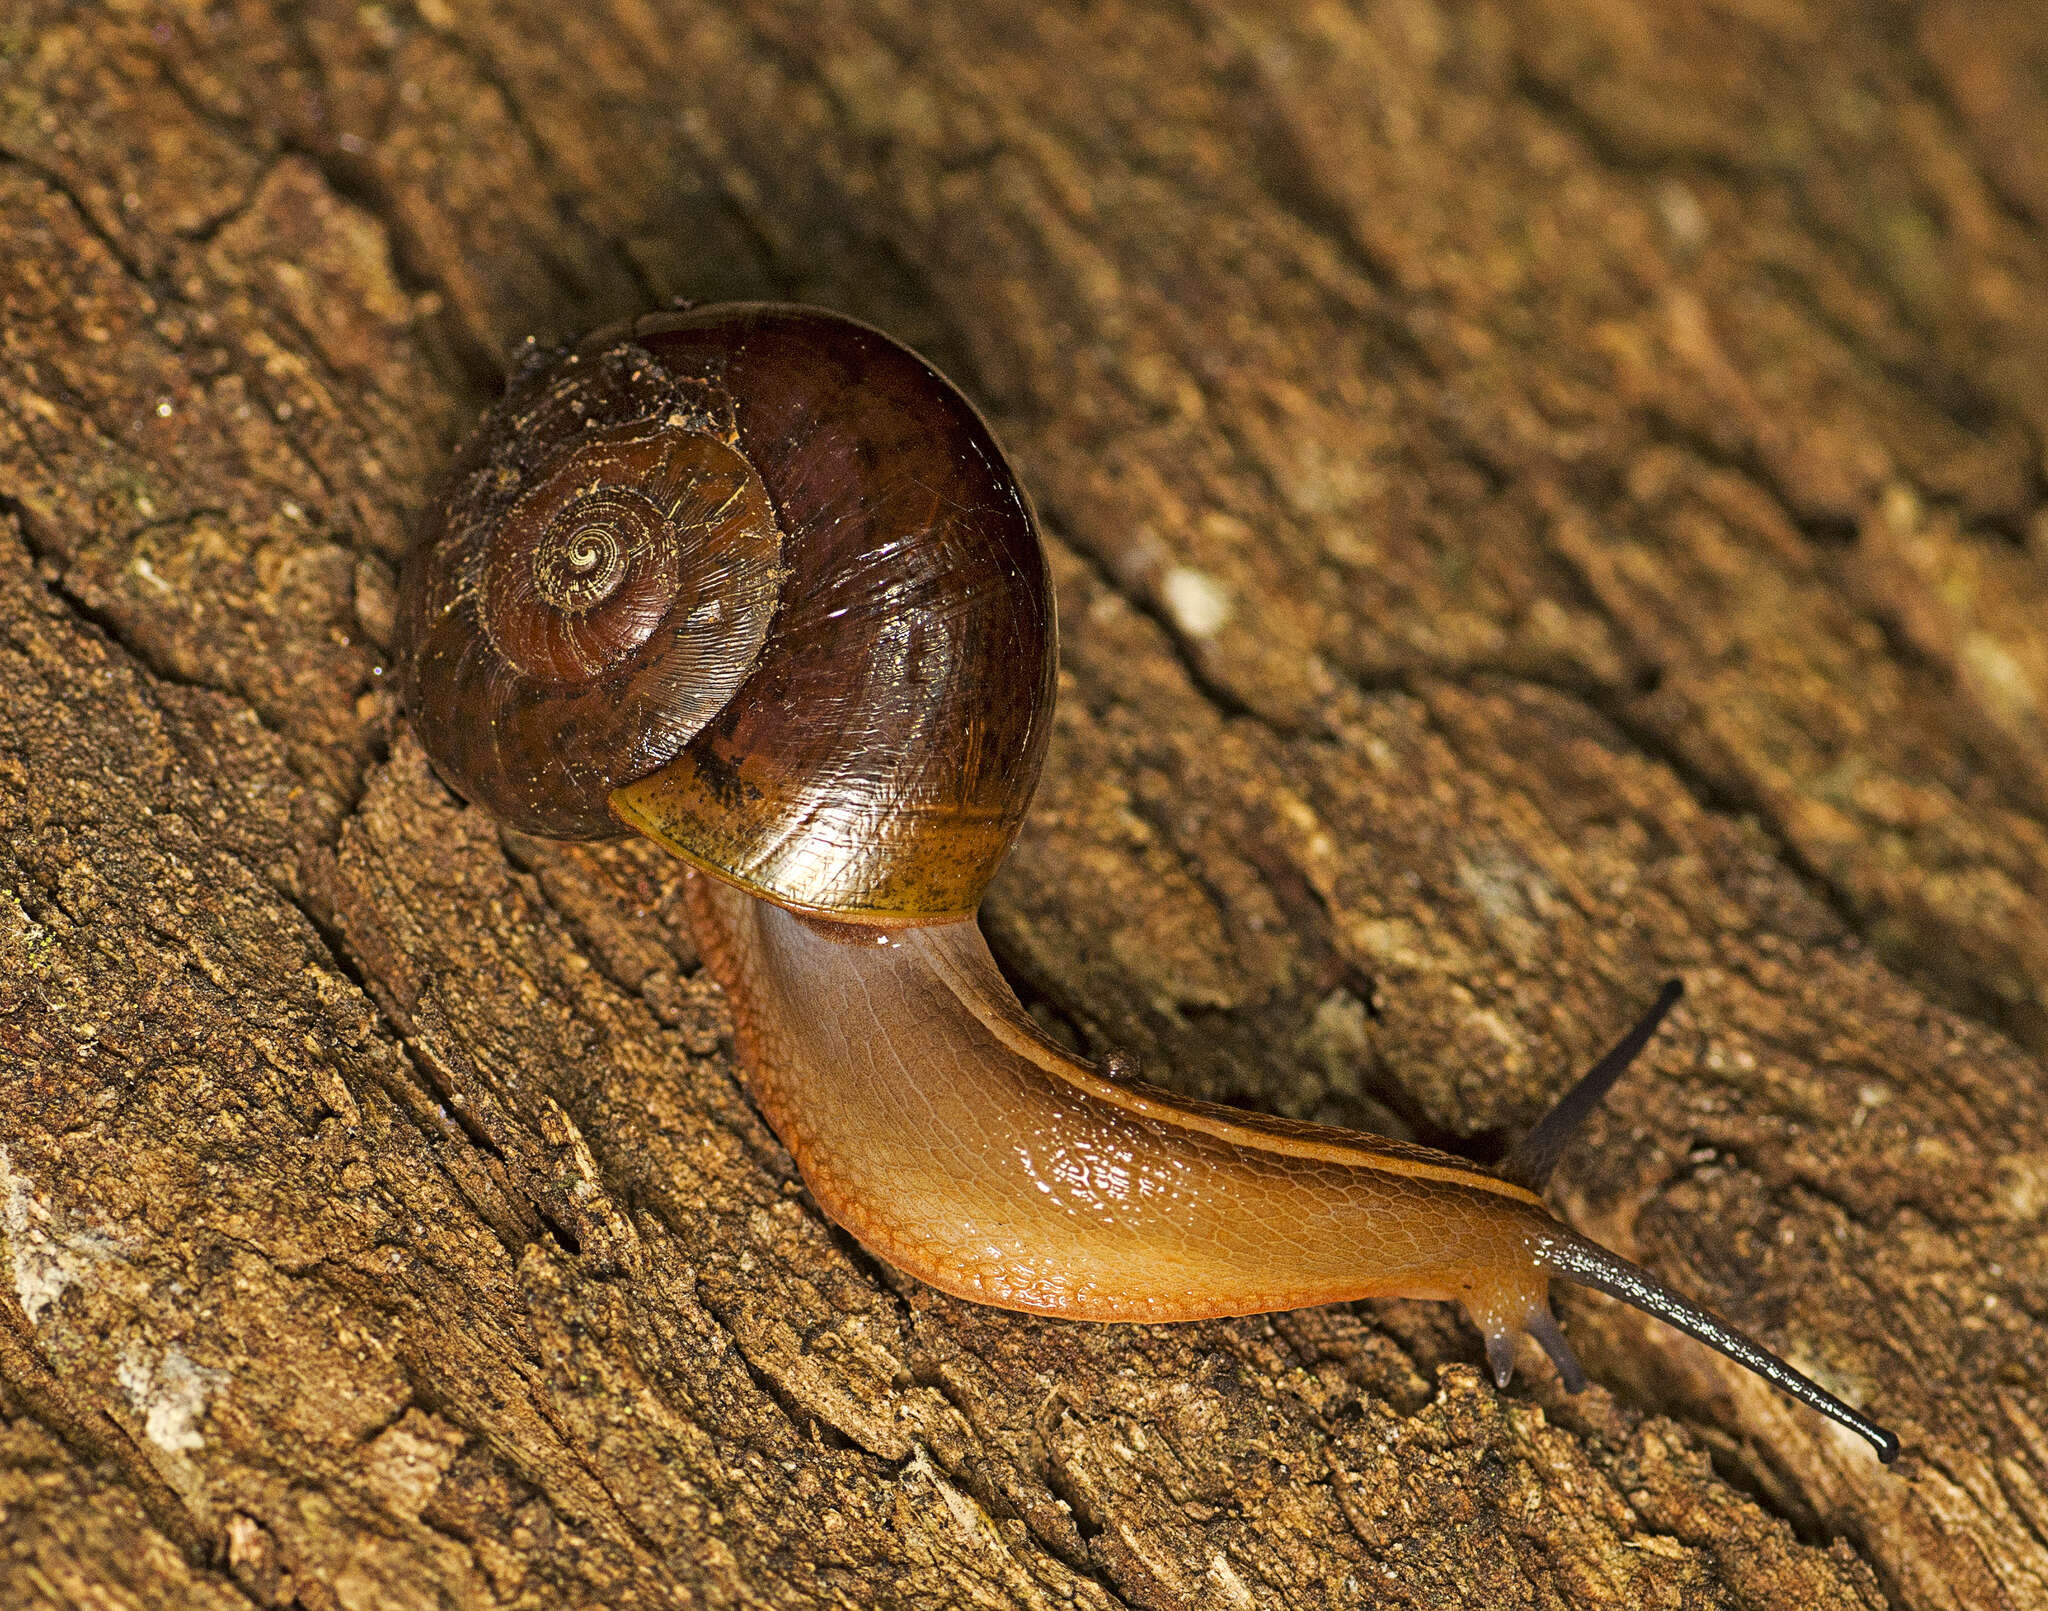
x: 1549, y: 1335
x: 1506, y: 1314
x: 1500, y: 1356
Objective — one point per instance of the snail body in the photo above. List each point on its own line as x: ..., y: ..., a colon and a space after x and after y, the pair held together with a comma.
x: 1011, y: 1172
x: 757, y: 582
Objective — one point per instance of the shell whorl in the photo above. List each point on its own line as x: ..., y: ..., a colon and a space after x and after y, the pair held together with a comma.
x: 594, y: 583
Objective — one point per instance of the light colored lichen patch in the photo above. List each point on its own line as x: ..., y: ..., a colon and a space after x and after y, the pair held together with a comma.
x: 170, y: 1392
x: 47, y: 1258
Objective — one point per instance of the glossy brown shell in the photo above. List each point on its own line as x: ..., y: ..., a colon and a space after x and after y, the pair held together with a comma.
x: 864, y: 746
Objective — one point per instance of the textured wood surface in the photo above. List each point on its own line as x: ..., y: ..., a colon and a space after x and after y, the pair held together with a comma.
x: 1545, y: 494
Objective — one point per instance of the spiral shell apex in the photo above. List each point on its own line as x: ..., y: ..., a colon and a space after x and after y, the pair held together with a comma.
x: 594, y: 583
x: 756, y: 581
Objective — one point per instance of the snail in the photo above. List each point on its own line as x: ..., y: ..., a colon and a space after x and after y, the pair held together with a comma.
x: 756, y: 582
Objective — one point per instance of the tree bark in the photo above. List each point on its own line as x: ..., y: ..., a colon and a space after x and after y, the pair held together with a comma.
x: 1544, y: 495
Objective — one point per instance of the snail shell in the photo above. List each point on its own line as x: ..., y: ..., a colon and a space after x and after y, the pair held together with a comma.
x: 756, y: 581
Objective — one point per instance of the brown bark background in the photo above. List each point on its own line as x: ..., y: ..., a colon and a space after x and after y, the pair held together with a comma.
x: 1545, y: 494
